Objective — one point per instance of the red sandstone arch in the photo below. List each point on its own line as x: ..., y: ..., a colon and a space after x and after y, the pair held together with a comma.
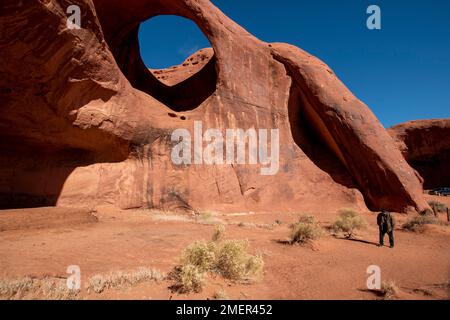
x: 83, y: 83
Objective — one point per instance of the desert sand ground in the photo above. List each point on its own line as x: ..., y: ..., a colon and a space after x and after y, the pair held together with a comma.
x: 43, y: 242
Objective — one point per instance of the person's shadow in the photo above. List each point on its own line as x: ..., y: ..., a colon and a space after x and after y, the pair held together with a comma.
x: 359, y: 240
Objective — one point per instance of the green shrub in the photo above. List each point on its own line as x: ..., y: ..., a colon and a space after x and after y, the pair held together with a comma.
x: 348, y: 222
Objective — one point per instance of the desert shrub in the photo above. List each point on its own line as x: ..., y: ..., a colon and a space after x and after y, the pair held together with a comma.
x: 28, y: 288
x: 228, y: 258
x: 219, y: 233
x: 187, y: 278
x: 305, y: 230
x: 267, y: 226
x: 437, y: 206
x: 418, y: 223
x: 169, y: 217
x: 247, y: 225
x: 97, y: 283
x: 348, y: 222
x: 444, y: 285
x: 191, y: 278
x: 208, y: 218
x: 424, y: 291
x: 234, y: 263
x: 200, y: 254
x: 119, y: 279
x: 221, y: 295
x: 57, y: 290
x: 389, y: 290
x: 17, y: 287
x: 307, y: 219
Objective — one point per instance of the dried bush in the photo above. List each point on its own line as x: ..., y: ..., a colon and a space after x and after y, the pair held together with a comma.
x: 389, y: 290
x: 305, y: 230
x: 119, y: 279
x: 418, y: 223
x: 228, y: 258
x: 438, y: 207
x: 348, y: 222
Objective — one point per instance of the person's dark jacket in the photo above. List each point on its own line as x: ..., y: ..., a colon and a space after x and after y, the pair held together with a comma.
x: 386, y: 222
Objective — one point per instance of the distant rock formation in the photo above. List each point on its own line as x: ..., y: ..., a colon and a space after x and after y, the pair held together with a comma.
x: 84, y: 122
x: 426, y: 146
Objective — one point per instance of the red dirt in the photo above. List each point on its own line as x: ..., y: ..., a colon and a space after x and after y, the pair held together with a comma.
x: 124, y: 240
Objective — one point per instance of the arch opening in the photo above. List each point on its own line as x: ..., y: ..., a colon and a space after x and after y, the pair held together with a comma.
x: 147, y: 55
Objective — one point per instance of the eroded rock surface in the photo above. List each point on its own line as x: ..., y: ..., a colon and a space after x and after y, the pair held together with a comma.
x: 426, y: 146
x: 84, y: 122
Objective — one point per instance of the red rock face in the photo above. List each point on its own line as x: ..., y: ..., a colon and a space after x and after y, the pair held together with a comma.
x: 426, y: 146
x: 189, y: 68
x: 84, y: 122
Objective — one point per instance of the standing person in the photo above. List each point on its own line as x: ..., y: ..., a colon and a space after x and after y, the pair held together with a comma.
x: 386, y: 224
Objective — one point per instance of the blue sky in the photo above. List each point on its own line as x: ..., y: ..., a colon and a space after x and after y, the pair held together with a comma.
x: 402, y: 72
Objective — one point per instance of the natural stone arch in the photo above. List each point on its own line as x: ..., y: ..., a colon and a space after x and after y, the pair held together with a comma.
x: 183, y: 96
x: 76, y: 85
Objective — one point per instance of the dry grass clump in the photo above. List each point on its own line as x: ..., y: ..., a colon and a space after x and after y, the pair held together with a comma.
x: 228, y: 258
x: 119, y: 279
x: 208, y: 218
x: 438, y: 207
x: 200, y: 254
x: 307, y: 219
x: 188, y: 278
x: 418, y: 223
x: 29, y: 288
x: 221, y: 295
x: 348, y: 222
x: 170, y: 218
x: 445, y: 285
x: 305, y: 230
x: 234, y: 263
x: 424, y: 291
x: 58, y: 290
x: 219, y: 233
x: 266, y: 226
x: 389, y: 290
x: 10, y: 289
